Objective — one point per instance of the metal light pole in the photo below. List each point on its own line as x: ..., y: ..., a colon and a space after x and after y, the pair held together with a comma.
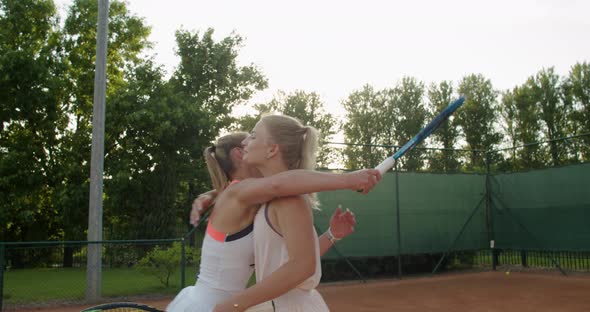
x: 94, y: 256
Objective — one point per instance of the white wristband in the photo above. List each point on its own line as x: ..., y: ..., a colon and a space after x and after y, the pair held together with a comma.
x: 331, y: 236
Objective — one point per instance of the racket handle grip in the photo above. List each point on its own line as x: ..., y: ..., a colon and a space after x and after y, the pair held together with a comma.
x: 386, y: 165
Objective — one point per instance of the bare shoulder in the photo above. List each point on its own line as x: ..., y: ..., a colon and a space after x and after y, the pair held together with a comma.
x: 292, y: 205
x: 229, y: 197
x: 243, y: 188
x: 235, y: 190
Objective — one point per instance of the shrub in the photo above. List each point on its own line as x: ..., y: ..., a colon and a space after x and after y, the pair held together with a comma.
x: 163, y: 262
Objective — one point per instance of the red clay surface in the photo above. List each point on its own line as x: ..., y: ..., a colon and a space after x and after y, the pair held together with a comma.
x: 473, y: 292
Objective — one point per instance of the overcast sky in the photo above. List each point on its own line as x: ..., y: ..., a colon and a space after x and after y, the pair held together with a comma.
x: 335, y: 47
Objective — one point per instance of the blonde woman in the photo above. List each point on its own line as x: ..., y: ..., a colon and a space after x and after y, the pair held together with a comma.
x: 286, y: 246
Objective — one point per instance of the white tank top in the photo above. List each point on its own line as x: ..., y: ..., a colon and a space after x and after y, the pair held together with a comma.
x: 270, y: 252
x: 227, y: 261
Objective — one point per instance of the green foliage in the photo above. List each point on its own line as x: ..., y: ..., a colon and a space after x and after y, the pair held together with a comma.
x: 31, y: 118
x: 545, y: 87
x: 446, y: 136
x: 576, y: 88
x: 363, y: 128
x: 127, y: 38
x: 477, y: 118
x: 405, y: 114
x: 155, y: 132
x: 309, y: 109
x: 520, y: 117
x: 388, y: 117
x: 148, y: 147
x: 163, y: 262
x: 209, y: 77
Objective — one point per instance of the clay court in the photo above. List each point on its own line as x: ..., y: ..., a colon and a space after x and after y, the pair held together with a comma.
x: 473, y: 292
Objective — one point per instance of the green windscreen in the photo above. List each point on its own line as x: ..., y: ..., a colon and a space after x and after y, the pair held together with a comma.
x: 543, y: 209
x: 432, y: 210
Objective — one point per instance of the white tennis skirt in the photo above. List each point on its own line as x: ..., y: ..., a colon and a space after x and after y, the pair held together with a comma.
x: 201, y: 298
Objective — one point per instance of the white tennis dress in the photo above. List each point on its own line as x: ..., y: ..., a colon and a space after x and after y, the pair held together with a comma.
x: 227, y: 262
x: 271, y: 253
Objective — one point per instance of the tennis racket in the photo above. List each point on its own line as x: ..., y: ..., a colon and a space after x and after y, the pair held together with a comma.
x: 122, y: 307
x: 423, y: 134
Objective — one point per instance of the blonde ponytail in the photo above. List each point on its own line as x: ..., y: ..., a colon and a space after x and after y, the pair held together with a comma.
x: 298, y: 143
x: 309, y: 148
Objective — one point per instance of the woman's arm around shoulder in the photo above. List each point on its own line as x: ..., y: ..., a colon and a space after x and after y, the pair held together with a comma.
x: 296, y: 182
x: 296, y: 227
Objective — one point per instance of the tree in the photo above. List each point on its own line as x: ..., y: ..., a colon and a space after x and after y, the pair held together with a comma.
x: 377, y: 121
x: 439, y: 97
x: 509, y: 126
x: 309, y: 109
x: 520, y: 119
x: 364, y: 130
x: 546, y: 91
x: 31, y: 119
x: 147, y: 133
x: 155, y: 132
x: 406, y: 115
x: 127, y: 37
x: 209, y: 76
x: 477, y: 118
x: 160, y: 129
x: 408, y: 110
x: 577, y: 96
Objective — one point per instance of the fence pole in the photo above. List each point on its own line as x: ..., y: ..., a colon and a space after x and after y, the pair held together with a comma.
x: 399, y: 232
x: 490, y: 213
x: 182, y: 262
x: 188, y: 235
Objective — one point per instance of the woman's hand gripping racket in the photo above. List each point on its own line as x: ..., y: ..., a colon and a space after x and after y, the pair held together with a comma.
x: 424, y: 133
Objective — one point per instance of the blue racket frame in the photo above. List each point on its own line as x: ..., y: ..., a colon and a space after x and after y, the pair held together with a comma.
x: 423, y: 134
